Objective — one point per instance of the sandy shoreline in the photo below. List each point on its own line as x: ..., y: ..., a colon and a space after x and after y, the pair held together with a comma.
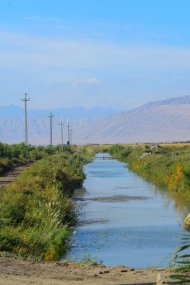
x: 18, y: 272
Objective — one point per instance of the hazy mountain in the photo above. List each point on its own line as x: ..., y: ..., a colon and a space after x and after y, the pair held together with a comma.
x: 70, y: 113
x: 12, y: 121
x: 164, y: 120
x: 171, y: 101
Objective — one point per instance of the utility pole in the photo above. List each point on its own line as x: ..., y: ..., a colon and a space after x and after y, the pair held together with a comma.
x: 50, y: 118
x: 25, y: 100
x: 71, y: 137
x: 68, y: 142
x: 61, y: 124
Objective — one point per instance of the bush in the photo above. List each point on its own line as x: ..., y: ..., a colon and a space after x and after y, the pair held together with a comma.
x: 36, y: 211
x: 17, y: 154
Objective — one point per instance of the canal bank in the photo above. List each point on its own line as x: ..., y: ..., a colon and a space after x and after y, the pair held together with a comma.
x: 25, y: 272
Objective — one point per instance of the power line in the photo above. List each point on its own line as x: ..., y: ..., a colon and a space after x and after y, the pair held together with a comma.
x: 25, y: 100
x: 8, y: 91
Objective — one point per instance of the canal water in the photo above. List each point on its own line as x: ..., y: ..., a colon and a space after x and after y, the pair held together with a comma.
x: 123, y: 219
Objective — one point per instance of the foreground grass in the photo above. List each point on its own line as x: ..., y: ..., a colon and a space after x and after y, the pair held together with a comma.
x: 36, y: 211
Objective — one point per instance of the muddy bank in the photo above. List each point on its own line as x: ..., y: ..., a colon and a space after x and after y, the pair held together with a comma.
x: 115, y: 198
x: 19, y: 272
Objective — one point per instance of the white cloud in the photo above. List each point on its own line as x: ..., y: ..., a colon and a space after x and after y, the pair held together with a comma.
x: 33, y: 18
x: 91, y: 81
x: 80, y: 68
x: 66, y: 53
x: 46, y: 23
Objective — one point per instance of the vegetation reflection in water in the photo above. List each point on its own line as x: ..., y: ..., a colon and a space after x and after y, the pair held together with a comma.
x: 136, y: 232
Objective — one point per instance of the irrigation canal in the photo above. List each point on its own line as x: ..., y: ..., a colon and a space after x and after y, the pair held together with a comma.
x: 123, y: 219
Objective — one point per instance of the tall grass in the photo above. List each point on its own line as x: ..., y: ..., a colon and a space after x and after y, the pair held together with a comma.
x: 36, y: 211
x: 181, y: 274
x: 18, y: 154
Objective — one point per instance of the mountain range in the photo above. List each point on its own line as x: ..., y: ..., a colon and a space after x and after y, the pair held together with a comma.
x: 161, y: 121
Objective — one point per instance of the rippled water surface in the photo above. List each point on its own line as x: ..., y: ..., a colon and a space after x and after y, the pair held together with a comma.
x: 134, y: 224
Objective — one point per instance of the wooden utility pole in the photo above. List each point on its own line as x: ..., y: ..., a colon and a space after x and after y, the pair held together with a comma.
x: 25, y: 100
x: 71, y: 137
x: 51, y: 123
x: 68, y: 142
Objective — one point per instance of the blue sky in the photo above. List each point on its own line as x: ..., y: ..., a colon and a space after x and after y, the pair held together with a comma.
x: 110, y: 53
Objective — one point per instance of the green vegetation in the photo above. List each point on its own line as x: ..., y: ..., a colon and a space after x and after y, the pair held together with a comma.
x: 18, y: 154
x: 36, y: 211
x: 181, y: 275
x: 94, y: 148
x: 167, y: 166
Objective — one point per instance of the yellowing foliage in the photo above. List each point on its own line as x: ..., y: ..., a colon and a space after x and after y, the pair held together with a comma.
x: 176, y: 177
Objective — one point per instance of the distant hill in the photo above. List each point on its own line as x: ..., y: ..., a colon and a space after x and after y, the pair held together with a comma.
x: 78, y: 112
x: 12, y: 121
x: 164, y: 120
x: 160, y: 121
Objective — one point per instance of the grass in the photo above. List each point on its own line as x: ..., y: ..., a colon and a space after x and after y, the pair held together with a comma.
x: 36, y: 211
x: 18, y: 154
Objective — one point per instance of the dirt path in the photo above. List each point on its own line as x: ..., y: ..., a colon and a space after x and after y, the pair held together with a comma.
x: 19, y: 272
x: 11, y: 175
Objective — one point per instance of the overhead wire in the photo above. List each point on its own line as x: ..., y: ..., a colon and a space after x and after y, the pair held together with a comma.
x: 4, y: 90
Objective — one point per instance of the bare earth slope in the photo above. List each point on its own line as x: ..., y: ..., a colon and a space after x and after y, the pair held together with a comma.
x: 162, y: 123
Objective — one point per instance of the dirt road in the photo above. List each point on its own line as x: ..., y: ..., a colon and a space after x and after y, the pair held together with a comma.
x: 19, y: 272
x: 12, y: 174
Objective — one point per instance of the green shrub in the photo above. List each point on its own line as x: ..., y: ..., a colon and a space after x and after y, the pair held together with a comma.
x: 36, y: 211
x: 17, y: 154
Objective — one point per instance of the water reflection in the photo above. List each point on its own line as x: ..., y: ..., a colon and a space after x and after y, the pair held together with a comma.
x: 134, y: 232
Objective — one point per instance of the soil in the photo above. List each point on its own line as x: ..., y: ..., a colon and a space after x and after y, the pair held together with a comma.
x: 12, y: 174
x: 18, y: 272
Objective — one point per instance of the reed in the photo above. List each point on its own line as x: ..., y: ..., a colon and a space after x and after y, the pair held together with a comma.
x: 36, y: 211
